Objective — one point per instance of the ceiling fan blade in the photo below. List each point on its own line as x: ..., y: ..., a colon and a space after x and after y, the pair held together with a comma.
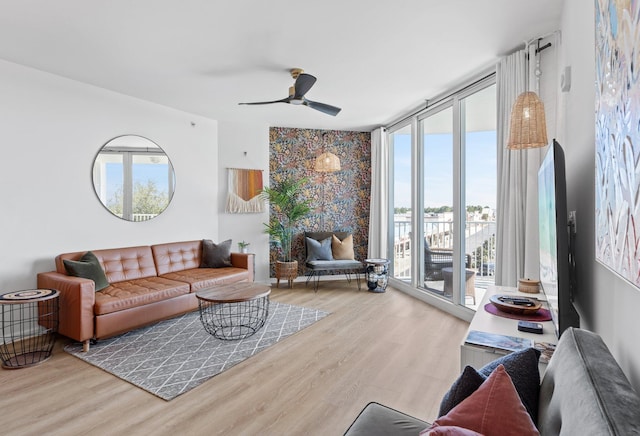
x: 303, y: 84
x: 327, y: 109
x: 284, y: 100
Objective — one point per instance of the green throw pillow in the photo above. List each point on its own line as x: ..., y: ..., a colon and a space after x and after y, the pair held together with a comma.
x: 87, y: 267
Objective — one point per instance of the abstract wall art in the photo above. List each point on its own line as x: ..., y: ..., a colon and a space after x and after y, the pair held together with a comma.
x: 617, y: 131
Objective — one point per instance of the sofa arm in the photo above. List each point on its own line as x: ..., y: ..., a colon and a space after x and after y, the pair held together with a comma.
x: 376, y: 419
x: 245, y: 261
x: 76, y: 301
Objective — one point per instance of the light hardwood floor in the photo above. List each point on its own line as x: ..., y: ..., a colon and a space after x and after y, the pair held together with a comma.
x: 389, y: 348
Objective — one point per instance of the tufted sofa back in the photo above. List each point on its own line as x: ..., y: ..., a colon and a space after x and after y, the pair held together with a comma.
x: 119, y: 264
x: 177, y: 256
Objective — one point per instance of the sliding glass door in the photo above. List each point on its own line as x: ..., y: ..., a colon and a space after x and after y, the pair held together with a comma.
x: 443, y: 188
x: 438, y: 229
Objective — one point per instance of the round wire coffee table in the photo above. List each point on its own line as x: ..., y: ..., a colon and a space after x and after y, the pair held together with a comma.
x: 235, y: 311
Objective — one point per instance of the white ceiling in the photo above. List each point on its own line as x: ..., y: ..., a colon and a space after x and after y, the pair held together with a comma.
x: 376, y: 59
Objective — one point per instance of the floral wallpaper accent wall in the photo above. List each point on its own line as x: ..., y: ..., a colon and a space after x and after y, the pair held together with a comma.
x: 339, y: 200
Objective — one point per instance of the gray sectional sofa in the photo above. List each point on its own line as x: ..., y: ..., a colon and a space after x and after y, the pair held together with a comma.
x: 583, y: 392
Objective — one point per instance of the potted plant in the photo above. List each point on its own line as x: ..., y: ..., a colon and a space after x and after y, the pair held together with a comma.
x: 242, y: 245
x: 288, y: 208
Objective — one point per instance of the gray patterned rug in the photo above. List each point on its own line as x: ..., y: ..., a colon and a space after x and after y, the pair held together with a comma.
x: 173, y: 356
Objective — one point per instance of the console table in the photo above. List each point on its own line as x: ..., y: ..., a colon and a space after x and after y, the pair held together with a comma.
x: 478, y: 356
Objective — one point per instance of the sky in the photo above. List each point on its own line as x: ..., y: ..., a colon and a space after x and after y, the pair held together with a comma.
x: 481, y: 169
x: 141, y: 173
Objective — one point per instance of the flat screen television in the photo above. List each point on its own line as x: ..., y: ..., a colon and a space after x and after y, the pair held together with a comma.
x: 557, y: 267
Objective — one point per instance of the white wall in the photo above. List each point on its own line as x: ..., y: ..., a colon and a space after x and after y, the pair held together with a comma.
x: 50, y: 131
x: 607, y: 304
x: 236, y: 139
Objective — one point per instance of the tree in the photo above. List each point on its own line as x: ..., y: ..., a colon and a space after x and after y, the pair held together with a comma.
x: 147, y: 199
x: 287, y: 209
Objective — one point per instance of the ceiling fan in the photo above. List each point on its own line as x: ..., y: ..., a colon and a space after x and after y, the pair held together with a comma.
x: 302, y: 85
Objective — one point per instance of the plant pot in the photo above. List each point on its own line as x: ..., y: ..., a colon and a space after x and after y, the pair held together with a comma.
x: 286, y: 271
x: 244, y: 250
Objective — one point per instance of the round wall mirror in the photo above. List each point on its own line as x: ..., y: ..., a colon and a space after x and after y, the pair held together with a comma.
x: 133, y: 178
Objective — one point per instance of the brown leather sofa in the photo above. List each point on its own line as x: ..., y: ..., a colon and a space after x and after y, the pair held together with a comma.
x: 146, y: 284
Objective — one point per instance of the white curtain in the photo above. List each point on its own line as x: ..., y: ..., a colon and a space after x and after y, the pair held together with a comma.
x: 517, y: 245
x: 379, y: 205
x: 514, y: 184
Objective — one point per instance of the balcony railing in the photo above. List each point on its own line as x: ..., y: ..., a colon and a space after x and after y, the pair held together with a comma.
x: 479, y: 244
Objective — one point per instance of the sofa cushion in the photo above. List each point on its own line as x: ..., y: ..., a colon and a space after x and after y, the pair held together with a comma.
x: 202, y: 278
x: 119, y: 264
x: 342, y: 250
x: 318, y: 250
x: 177, y: 256
x: 88, y: 267
x: 215, y: 255
x: 337, y: 265
x: 494, y: 409
x: 134, y: 293
x: 522, y: 367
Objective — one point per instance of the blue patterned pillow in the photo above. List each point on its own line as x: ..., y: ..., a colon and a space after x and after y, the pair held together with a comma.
x: 318, y: 250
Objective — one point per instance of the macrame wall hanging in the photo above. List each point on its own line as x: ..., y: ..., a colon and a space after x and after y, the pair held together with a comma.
x: 244, y: 189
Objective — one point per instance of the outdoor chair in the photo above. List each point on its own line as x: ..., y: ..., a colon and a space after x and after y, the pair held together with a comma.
x: 437, y: 258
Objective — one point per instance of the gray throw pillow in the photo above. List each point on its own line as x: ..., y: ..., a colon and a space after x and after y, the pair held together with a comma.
x: 87, y: 267
x: 465, y: 385
x: 318, y: 250
x: 522, y: 367
x: 215, y: 255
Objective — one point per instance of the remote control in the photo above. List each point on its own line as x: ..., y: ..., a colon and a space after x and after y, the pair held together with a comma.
x: 530, y: 327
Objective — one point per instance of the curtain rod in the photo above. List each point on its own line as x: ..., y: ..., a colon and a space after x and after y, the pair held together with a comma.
x: 440, y: 98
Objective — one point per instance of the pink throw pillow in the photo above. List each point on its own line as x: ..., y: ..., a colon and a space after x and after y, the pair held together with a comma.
x: 494, y: 409
x: 447, y: 430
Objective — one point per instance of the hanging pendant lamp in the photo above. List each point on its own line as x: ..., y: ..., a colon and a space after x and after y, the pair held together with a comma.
x: 528, y: 127
x: 327, y: 163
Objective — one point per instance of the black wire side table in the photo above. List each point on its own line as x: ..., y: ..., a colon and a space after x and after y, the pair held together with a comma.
x: 29, y: 322
x: 235, y: 311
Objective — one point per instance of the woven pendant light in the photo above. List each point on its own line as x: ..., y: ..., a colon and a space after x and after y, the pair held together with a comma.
x: 327, y: 163
x: 528, y: 127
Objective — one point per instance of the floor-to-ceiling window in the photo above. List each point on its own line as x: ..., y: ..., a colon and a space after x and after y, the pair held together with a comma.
x: 437, y: 230
x: 478, y: 119
x: 443, y: 177
x: 400, y: 144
